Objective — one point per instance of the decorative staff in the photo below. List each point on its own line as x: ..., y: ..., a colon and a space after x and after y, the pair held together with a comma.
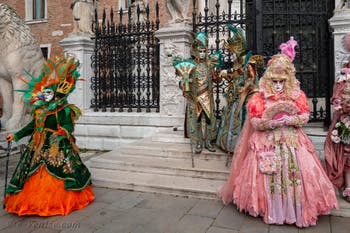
x: 9, y: 145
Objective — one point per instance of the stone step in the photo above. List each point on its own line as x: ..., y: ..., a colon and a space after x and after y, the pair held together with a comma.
x: 162, y: 163
x: 156, y: 183
x: 170, y: 136
x: 202, y: 161
x: 168, y: 150
x: 318, y: 141
x: 208, y: 169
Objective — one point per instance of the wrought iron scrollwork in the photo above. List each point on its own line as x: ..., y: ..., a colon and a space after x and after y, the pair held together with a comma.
x: 126, y: 61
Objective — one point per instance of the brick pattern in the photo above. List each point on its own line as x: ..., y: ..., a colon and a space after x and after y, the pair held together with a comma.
x: 60, y: 20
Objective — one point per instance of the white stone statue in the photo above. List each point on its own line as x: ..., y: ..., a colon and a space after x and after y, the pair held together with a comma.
x: 83, y: 15
x: 20, y: 52
x: 142, y: 6
x: 342, y: 4
x: 178, y: 10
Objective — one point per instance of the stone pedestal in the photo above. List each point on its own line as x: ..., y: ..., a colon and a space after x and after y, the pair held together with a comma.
x: 174, y: 39
x: 340, y: 23
x: 82, y: 47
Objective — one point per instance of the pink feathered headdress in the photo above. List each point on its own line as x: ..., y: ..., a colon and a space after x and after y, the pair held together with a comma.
x: 288, y: 48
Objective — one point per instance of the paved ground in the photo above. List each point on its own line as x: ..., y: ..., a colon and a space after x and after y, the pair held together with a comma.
x: 118, y: 211
x: 132, y: 212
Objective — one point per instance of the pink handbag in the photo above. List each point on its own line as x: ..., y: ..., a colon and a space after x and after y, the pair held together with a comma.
x: 267, y: 162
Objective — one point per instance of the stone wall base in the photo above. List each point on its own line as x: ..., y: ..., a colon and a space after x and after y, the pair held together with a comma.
x: 107, y: 130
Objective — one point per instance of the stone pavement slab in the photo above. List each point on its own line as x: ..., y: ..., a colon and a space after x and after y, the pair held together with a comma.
x: 129, y: 220
x: 283, y: 229
x: 323, y: 226
x: 193, y: 224
x: 119, y: 211
x: 253, y: 225
x: 340, y: 224
x: 220, y: 230
x: 207, y: 209
x: 229, y: 218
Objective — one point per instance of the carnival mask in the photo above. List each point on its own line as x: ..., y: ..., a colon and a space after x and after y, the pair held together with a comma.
x: 278, y: 85
x: 48, y: 94
x: 202, y: 53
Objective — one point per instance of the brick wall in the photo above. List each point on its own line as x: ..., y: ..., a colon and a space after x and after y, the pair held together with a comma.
x: 59, y: 20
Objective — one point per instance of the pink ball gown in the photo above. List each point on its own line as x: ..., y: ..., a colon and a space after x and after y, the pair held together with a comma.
x: 275, y: 171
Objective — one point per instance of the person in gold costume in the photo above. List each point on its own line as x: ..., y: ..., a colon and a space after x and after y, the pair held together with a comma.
x: 198, y: 74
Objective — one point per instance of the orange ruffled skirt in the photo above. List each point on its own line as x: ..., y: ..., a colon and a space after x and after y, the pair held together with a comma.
x: 44, y: 195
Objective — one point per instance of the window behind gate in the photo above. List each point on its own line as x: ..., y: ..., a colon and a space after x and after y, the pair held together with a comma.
x: 126, y: 61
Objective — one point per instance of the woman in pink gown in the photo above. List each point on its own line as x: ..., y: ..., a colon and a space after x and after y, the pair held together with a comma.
x: 275, y: 171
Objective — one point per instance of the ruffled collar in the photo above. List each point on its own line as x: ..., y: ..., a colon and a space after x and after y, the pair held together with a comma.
x: 267, y: 93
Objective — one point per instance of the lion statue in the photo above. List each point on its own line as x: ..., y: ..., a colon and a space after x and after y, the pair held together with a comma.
x: 20, y: 52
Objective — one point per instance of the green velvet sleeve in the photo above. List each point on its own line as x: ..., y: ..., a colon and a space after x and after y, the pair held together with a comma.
x: 65, y: 120
x: 25, y: 131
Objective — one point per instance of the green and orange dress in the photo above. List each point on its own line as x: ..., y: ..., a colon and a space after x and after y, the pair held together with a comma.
x: 50, y: 178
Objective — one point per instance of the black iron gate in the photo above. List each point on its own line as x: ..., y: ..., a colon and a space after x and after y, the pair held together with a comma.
x: 271, y: 22
x: 268, y: 23
x: 126, y: 62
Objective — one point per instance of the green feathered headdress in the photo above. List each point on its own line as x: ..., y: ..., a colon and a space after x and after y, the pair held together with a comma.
x: 59, y: 74
x: 237, y: 42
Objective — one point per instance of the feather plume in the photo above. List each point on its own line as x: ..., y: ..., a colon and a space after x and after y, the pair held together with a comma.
x: 288, y: 48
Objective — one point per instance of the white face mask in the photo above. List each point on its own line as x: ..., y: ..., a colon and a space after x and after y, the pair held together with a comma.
x: 202, y: 54
x: 48, y: 94
x: 278, y: 85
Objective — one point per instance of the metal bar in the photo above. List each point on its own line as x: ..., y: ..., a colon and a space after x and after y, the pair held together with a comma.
x: 217, y: 41
x: 194, y: 14
x: 9, y: 145
x: 95, y: 62
x: 259, y: 27
x: 129, y: 82
x: 206, y: 9
x: 113, y: 64
x: 330, y: 76
x: 138, y: 25
x: 148, y: 60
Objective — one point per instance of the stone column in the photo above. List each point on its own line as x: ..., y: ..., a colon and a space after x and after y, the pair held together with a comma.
x: 340, y: 23
x: 82, y: 47
x: 174, y: 39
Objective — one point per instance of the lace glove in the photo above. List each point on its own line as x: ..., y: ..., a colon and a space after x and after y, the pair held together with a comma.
x: 297, y: 120
x: 264, y: 124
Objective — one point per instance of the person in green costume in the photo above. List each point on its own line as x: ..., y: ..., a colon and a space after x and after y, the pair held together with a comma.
x: 242, y: 80
x: 198, y: 74
x: 50, y: 178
